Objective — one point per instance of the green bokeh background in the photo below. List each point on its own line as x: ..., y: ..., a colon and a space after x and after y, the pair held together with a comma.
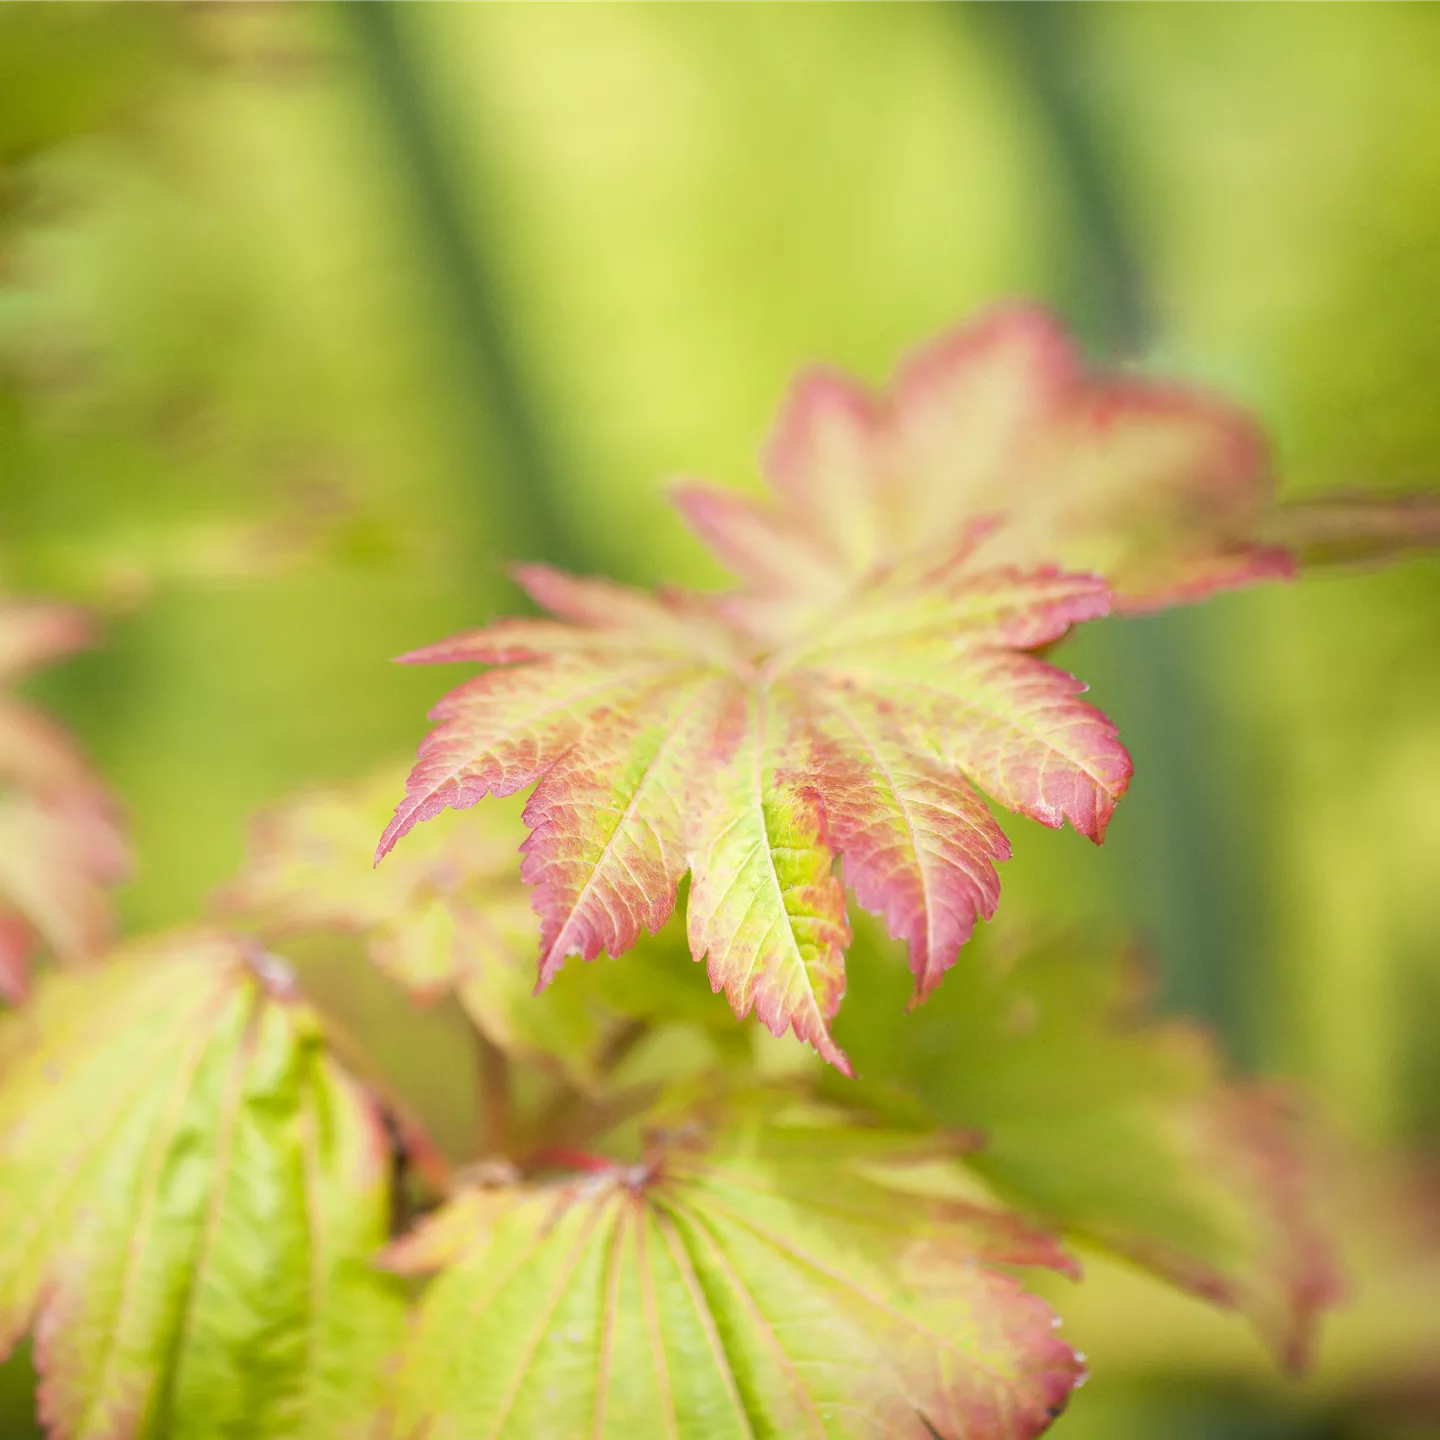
x: 469, y: 282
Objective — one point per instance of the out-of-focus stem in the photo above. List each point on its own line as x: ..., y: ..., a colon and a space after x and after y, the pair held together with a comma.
x: 1173, y: 830
x: 408, y: 1133
x: 1105, y: 277
x: 493, y: 1099
x: 572, y: 1117
x: 510, y: 453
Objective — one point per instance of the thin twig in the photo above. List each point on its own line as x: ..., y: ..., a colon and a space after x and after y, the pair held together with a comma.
x: 573, y: 1116
x: 511, y: 458
x: 493, y: 1097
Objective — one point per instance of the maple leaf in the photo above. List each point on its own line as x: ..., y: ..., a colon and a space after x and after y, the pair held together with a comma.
x: 61, y: 843
x: 450, y: 915
x: 1124, y: 1130
x: 1164, y: 490
x: 1157, y: 488
x: 666, y: 736
x: 190, y: 1193
x: 751, y: 1278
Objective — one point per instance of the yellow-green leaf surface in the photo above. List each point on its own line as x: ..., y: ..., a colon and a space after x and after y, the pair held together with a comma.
x: 191, y: 1195
x: 753, y: 1282
x: 450, y: 914
x: 1123, y: 1129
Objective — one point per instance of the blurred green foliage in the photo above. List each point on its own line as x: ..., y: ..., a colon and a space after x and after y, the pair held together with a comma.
x: 336, y: 289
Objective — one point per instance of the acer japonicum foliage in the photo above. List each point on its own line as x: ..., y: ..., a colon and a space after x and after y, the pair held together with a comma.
x: 61, y: 844
x: 217, y: 1214
x: 754, y: 1275
x: 193, y: 1196
x: 873, y: 669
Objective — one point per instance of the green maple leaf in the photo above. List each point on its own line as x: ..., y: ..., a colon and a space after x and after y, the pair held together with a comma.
x: 450, y: 916
x: 1124, y: 1130
x: 751, y: 1279
x: 61, y: 843
x: 190, y: 1197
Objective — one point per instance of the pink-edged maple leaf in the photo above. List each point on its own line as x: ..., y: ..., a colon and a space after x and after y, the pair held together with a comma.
x: 61, y: 843
x: 1160, y: 489
x: 668, y: 734
x: 1166, y: 491
x: 757, y: 1275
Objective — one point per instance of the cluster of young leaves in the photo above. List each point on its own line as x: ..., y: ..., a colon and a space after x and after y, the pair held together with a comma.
x: 193, y: 1198
x: 61, y: 841
x: 874, y: 668
x: 774, y: 1266
x: 1119, y: 1131
x: 759, y: 1267
x: 194, y: 1195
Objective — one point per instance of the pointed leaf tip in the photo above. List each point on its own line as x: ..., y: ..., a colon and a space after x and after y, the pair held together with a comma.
x: 35, y: 632
x: 396, y: 830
